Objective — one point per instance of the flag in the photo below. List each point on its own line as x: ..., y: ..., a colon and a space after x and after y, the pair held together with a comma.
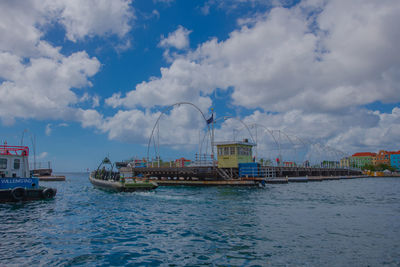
x: 211, y: 119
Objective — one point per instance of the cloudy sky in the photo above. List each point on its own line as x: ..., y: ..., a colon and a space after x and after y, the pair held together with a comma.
x: 91, y: 78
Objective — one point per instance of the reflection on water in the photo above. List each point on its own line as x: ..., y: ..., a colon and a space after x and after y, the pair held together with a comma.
x: 354, y: 222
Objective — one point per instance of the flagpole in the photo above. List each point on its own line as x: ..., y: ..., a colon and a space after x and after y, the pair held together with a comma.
x: 212, y: 135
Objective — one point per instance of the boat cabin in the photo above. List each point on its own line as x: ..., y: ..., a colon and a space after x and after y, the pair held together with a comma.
x: 14, y: 168
x: 230, y: 154
x: 14, y: 161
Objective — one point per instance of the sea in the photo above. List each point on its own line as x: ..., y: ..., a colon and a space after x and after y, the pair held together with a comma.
x: 331, y: 223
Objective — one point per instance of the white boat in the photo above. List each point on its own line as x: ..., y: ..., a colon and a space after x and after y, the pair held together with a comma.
x: 16, y: 183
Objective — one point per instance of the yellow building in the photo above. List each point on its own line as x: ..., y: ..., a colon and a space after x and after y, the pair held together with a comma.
x: 230, y: 154
x: 345, y: 162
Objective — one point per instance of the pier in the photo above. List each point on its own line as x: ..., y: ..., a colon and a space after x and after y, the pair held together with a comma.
x: 234, y: 163
x: 209, y: 176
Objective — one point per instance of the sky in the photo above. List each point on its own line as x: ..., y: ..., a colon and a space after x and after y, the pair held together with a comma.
x: 87, y: 79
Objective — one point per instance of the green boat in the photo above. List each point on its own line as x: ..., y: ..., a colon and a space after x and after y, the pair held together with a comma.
x: 107, y: 179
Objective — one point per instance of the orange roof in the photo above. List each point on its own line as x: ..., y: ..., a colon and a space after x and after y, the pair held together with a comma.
x: 364, y: 154
x: 182, y: 159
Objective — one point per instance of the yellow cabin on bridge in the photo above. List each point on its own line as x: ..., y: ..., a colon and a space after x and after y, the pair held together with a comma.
x: 230, y: 154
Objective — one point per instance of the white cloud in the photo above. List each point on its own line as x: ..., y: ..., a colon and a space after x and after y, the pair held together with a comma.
x: 316, y: 134
x: 42, y: 155
x: 35, y: 78
x: 18, y: 28
x: 316, y: 71
x: 42, y: 88
x: 178, y: 39
x: 175, y: 86
x: 180, y: 126
x: 383, y: 135
x: 346, y: 55
x: 89, y: 118
x: 96, y: 101
x: 48, y: 129
x: 94, y: 17
x: 23, y: 23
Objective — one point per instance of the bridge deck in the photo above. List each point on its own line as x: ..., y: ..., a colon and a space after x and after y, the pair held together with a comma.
x: 212, y: 173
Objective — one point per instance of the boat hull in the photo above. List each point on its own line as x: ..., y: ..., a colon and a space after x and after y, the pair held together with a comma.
x: 19, y: 194
x: 118, y: 186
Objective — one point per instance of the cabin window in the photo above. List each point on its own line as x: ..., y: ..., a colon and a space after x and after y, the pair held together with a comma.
x: 17, y: 164
x: 233, y: 150
x: 244, y: 151
x: 3, y: 164
x: 220, y: 151
x: 226, y: 151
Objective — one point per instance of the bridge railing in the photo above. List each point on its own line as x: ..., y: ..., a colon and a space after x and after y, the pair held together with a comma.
x: 203, y: 160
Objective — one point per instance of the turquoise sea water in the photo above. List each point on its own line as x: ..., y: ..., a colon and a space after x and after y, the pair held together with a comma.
x: 330, y: 223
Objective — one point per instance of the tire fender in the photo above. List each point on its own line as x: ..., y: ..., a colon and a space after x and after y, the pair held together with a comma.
x: 48, y: 193
x: 18, y: 193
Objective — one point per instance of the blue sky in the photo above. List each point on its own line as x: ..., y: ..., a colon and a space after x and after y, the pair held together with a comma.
x: 89, y: 78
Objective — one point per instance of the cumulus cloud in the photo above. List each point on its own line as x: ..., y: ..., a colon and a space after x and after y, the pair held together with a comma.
x: 174, y: 86
x: 42, y: 88
x: 94, y: 17
x: 310, y: 68
x: 385, y: 134
x: 36, y: 79
x: 345, y: 55
x: 315, y: 134
x: 178, y: 39
x: 181, y: 125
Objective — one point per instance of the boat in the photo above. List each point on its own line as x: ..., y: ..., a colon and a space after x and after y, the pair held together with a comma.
x: 16, y: 182
x: 107, y: 179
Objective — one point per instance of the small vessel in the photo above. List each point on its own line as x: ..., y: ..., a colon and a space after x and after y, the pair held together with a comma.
x: 107, y: 179
x: 16, y: 182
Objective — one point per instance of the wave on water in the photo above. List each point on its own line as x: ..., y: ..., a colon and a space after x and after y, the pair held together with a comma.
x: 343, y: 223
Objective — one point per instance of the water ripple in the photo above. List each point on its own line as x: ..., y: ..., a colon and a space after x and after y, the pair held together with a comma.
x: 340, y: 223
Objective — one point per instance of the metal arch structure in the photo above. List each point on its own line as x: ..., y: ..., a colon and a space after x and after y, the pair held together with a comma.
x: 239, y: 120
x: 164, y: 112
x: 305, y: 143
x: 320, y: 149
x: 245, y: 126
x: 270, y: 133
x: 291, y: 141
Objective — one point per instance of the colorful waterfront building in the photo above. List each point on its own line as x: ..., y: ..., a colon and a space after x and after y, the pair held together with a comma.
x: 374, y: 160
x: 395, y: 160
x: 345, y: 162
x: 182, y: 162
x: 383, y: 157
x: 360, y: 159
x: 230, y: 154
